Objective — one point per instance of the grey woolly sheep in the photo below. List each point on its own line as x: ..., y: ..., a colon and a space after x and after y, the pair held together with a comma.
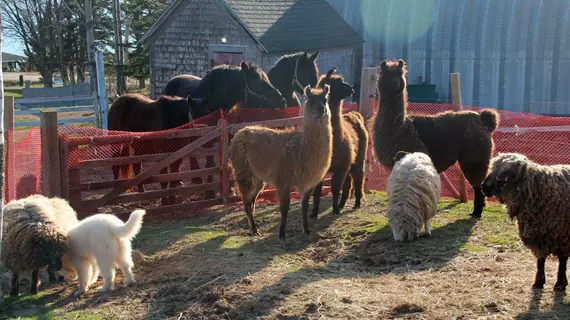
x: 413, y: 194
x: 538, y: 197
x: 35, y: 236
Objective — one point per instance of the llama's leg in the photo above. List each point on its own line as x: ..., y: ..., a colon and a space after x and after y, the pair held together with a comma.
x: 561, y: 282
x: 304, y: 211
x: 51, y: 274
x: 347, y: 185
x: 337, y: 180
x: 316, y: 199
x: 35, y: 281
x: 136, y: 171
x: 540, y: 278
x: 175, y: 168
x: 164, y: 185
x: 475, y: 173
x: 358, y: 177
x: 15, y: 285
x: 250, y: 196
x: 284, y: 201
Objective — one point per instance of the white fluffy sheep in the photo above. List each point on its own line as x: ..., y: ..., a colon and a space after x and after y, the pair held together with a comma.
x: 413, y: 194
x: 538, y: 196
x: 35, y: 236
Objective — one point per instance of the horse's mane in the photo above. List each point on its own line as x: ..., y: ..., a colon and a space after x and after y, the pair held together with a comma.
x: 287, y: 62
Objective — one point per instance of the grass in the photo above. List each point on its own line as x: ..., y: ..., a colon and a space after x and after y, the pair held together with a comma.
x: 207, y: 267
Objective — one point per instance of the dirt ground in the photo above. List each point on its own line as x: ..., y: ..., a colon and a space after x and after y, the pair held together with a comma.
x: 207, y: 267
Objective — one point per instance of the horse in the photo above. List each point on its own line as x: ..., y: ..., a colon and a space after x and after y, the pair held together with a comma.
x: 138, y: 113
x: 226, y: 86
x: 292, y: 73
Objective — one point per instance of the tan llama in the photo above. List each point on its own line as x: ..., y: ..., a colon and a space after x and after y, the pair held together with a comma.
x: 284, y: 159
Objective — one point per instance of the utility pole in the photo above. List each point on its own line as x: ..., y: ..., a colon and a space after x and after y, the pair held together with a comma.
x: 90, y: 44
x: 118, y: 47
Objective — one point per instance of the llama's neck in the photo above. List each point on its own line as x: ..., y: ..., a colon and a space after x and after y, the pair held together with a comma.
x: 318, y: 132
x: 392, y: 109
x: 336, y: 116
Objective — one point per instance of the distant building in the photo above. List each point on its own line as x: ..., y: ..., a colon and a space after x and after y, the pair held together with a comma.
x: 12, y: 62
x: 192, y: 36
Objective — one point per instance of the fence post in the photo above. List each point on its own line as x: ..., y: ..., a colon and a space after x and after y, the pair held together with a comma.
x: 10, y: 156
x: 50, y: 173
x: 224, y: 161
x: 456, y: 99
x: 101, y: 89
x: 367, y: 91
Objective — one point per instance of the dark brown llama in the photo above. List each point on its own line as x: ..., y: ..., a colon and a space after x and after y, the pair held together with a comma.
x: 284, y: 159
x: 356, y: 174
x: 345, y: 140
x: 447, y: 137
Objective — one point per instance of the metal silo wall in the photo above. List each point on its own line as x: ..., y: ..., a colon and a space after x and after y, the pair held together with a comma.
x: 512, y: 55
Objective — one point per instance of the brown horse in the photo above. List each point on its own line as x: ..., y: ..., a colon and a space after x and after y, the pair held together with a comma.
x: 138, y: 113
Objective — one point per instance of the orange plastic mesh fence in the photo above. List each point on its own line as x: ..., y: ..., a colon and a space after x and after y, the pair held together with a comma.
x: 92, y: 156
x: 23, y: 164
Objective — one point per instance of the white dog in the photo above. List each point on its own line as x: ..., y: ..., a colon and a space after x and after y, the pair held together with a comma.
x: 101, y: 243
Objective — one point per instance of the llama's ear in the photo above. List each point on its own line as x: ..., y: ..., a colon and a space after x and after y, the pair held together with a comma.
x: 401, y: 63
x: 305, y: 55
x: 308, y: 91
x: 383, y: 65
x: 244, y: 66
x: 314, y: 56
x: 326, y: 89
x: 330, y: 72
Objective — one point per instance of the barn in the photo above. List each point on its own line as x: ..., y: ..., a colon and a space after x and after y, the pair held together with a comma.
x: 192, y: 36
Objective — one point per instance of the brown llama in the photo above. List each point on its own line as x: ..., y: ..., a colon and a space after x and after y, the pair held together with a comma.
x: 345, y: 140
x: 284, y: 159
x: 447, y: 137
x: 356, y: 173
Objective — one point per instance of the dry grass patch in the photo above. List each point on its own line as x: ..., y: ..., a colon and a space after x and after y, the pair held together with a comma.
x: 207, y: 267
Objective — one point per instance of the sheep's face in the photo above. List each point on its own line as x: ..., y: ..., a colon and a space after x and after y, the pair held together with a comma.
x: 405, y: 233
x: 67, y: 270
x: 506, y: 170
x: 55, y: 261
x: 392, y: 78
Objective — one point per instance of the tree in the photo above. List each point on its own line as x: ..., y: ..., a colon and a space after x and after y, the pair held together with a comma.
x: 141, y: 14
x: 53, y: 34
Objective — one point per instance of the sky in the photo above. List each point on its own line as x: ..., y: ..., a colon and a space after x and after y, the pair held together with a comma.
x: 11, y: 45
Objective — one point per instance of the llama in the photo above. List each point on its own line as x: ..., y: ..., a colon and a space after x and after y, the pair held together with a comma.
x: 356, y: 174
x: 345, y: 140
x: 447, y: 137
x: 284, y: 158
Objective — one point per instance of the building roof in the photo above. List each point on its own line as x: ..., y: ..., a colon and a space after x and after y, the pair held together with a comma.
x: 278, y: 25
x: 9, y: 57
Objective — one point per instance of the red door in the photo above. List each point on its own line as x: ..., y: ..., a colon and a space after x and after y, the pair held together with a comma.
x: 230, y: 58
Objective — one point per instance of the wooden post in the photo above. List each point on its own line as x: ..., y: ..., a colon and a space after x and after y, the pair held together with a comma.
x: 367, y: 91
x: 9, y: 182
x: 224, y: 160
x: 101, y: 90
x: 456, y: 99
x: 51, y: 173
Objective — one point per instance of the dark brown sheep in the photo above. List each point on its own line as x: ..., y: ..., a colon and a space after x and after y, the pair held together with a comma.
x: 537, y: 196
x: 447, y: 137
x: 345, y: 140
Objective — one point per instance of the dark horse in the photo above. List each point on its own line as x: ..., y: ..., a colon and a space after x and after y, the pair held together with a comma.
x: 221, y: 89
x: 226, y: 86
x: 292, y: 73
x: 138, y: 113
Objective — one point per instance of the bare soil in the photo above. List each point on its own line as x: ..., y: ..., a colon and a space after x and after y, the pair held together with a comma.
x: 208, y: 267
